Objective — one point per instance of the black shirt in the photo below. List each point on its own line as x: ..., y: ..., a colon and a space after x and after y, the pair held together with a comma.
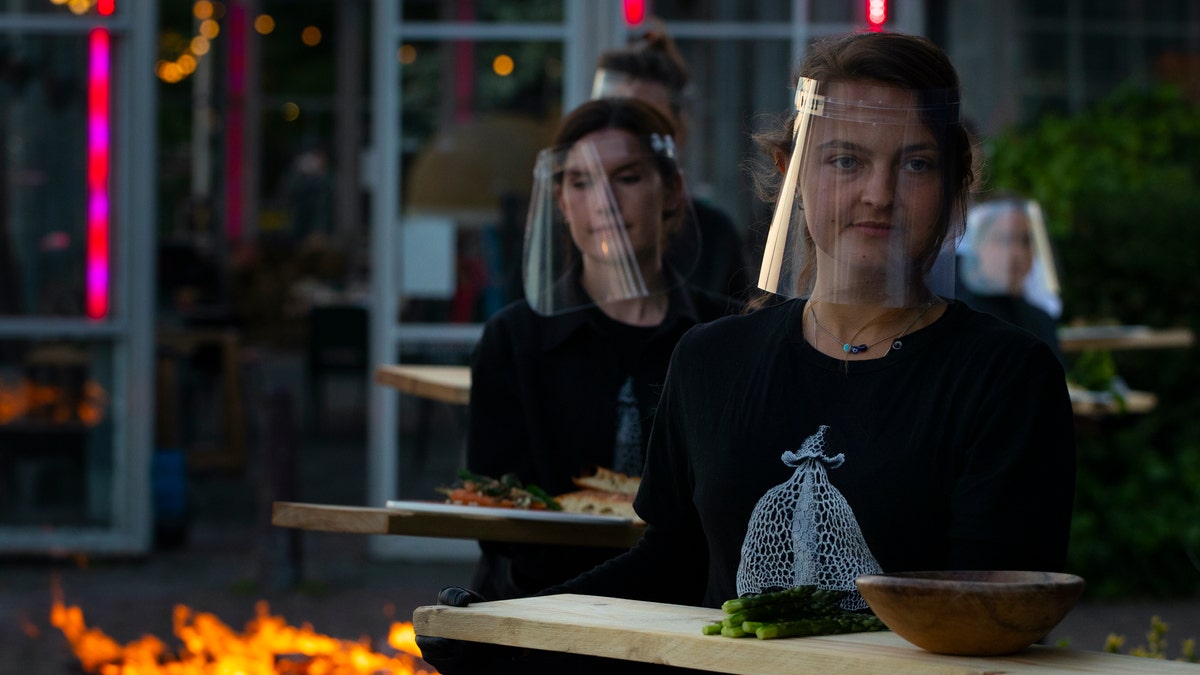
x: 547, y: 403
x: 959, y: 451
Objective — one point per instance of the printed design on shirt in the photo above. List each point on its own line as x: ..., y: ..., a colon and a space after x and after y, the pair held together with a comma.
x: 803, y: 531
x: 628, y: 452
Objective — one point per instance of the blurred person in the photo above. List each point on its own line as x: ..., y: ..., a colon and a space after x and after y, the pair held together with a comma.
x: 651, y: 68
x: 566, y: 380
x: 1006, y: 268
x: 866, y: 421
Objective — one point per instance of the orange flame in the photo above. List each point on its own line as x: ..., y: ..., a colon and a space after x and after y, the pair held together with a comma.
x: 268, y: 646
x: 19, y: 400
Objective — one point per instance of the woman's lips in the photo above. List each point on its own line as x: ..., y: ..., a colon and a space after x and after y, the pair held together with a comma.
x: 873, y: 227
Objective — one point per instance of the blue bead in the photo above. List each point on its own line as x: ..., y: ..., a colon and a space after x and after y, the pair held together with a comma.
x: 846, y: 347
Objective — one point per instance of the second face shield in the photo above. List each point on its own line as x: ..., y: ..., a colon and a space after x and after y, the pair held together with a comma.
x: 868, y: 208
x: 603, y: 212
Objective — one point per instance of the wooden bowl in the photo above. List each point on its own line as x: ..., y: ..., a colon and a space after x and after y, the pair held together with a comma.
x: 975, y: 613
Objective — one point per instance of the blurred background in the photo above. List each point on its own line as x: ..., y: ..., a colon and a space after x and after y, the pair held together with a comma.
x: 216, y: 218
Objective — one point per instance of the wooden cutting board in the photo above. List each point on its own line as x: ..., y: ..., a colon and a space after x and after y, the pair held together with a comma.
x: 670, y: 634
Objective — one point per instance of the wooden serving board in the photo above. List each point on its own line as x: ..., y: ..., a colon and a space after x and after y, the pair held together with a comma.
x: 450, y: 384
x: 670, y: 634
x: 485, y: 526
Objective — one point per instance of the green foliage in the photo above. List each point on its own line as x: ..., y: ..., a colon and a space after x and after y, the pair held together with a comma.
x: 1118, y: 184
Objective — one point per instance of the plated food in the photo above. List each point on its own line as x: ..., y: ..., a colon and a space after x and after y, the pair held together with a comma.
x: 503, y: 492
x: 604, y: 493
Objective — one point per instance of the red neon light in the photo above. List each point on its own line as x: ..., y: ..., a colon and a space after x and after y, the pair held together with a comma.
x: 106, y: 7
x: 876, y: 14
x: 98, y: 157
x: 635, y: 12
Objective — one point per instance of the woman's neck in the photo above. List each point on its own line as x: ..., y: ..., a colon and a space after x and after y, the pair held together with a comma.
x: 648, y: 307
x: 840, y: 329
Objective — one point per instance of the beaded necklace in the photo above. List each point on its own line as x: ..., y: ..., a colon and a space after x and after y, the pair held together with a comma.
x: 859, y: 349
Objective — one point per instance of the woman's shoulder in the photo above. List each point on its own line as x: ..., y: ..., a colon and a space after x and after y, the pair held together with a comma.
x: 744, y: 329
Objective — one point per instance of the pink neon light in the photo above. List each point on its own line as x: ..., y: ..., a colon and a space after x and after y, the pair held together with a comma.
x: 235, y: 132
x: 98, y: 158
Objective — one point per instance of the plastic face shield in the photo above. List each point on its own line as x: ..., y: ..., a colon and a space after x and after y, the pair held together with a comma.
x: 1007, y: 251
x: 602, y: 213
x: 866, y: 212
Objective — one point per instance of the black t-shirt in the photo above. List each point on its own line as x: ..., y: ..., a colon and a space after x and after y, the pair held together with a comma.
x: 958, y: 451
x: 549, y: 397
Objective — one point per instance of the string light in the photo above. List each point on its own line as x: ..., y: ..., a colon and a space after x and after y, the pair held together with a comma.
x: 207, y: 13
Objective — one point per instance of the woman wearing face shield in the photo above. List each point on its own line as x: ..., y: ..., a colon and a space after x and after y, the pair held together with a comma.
x: 1006, y: 267
x: 566, y: 380
x: 862, y: 420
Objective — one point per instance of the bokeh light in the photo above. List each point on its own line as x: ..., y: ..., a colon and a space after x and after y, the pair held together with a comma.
x: 290, y: 111
x: 202, y: 10
x: 407, y: 54
x: 311, y: 36
x: 502, y: 65
x: 264, y: 24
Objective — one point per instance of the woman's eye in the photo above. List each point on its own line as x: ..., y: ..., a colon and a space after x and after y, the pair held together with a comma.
x: 629, y: 178
x: 844, y: 162
x: 918, y: 164
x: 581, y: 184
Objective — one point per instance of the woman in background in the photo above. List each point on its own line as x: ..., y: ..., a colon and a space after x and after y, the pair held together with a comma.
x: 567, y: 379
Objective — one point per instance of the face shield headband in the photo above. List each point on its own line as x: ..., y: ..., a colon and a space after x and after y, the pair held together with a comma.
x: 867, y: 212
x: 602, y: 214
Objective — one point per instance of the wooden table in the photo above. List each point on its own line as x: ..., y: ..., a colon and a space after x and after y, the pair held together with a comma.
x: 450, y: 384
x: 1081, y: 338
x: 670, y: 634
x: 483, y: 527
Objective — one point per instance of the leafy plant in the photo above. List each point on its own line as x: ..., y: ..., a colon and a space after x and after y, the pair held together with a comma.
x: 1118, y: 184
x: 1156, y: 644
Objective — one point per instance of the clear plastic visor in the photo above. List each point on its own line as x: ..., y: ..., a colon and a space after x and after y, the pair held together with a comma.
x: 602, y: 213
x: 1007, y: 251
x: 866, y: 212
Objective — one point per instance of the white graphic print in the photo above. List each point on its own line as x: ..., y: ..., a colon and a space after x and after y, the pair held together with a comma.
x: 628, y: 453
x: 803, y: 532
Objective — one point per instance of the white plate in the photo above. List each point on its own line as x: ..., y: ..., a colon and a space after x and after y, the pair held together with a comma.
x: 512, y: 514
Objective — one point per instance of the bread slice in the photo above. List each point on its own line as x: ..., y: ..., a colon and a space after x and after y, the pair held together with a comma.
x: 598, y: 502
x: 607, y: 480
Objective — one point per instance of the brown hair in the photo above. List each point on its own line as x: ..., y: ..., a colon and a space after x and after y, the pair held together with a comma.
x: 652, y: 57
x: 631, y: 115
x: 903, y: 61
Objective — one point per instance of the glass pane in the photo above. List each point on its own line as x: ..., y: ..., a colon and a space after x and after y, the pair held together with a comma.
x: 43, y: 174
x: 483, y: 10
x: 1105, y: 10
x: 727, y: 10
x: 56, y: 433
x: 736, y: 87
x: 1044, y: 9
x: 475, y: 115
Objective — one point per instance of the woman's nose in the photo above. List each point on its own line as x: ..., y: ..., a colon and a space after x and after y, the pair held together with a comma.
x: 880, y: 188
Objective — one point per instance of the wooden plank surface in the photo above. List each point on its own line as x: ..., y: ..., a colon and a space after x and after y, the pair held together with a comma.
x: 670, y: 634
x: 370, y: 520
x: 449, y: 384
x: 1080, y: 338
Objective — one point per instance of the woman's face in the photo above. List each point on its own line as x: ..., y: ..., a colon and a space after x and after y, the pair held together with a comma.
x: 871, y: 181
x: 1006, y: 251
x: 614, y: 198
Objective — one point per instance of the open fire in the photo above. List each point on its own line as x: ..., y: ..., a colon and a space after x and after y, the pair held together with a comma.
x: 268, y: 646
